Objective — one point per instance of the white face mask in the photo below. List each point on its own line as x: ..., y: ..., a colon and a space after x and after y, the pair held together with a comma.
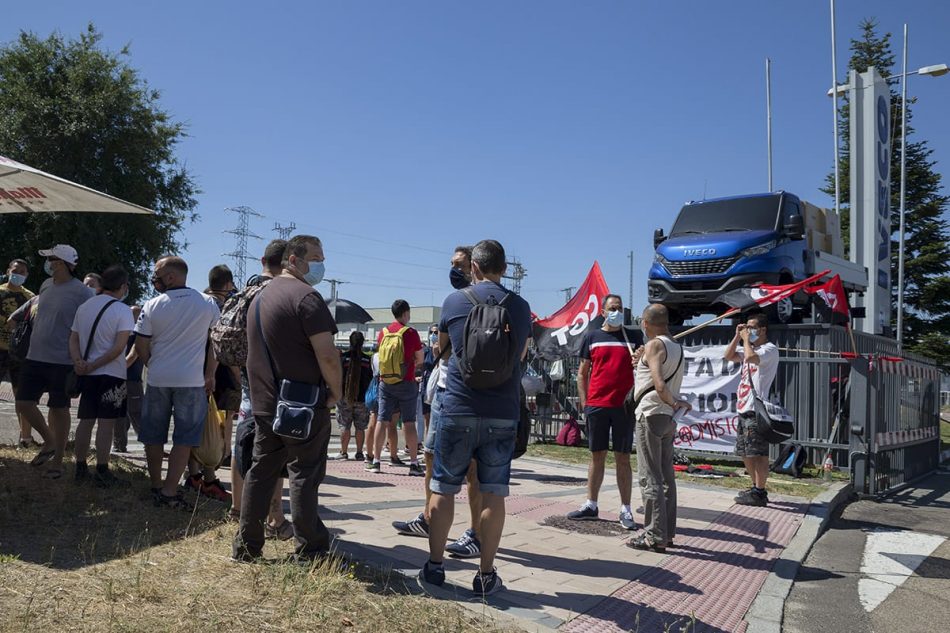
x: 753, y: 335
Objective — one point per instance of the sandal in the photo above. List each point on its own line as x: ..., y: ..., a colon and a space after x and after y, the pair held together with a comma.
x: 282, y: 532
x: 234, y: 514
x: 42, y: 457
x: 646, y: 542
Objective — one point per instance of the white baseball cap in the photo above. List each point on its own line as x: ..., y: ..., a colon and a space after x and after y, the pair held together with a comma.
x: 63, y: 251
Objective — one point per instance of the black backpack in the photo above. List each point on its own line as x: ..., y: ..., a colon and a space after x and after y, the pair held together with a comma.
x: 791, y: 460
x: 489, y: 353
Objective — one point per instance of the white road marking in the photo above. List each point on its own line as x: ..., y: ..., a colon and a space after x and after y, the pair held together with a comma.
x: 890, y: 558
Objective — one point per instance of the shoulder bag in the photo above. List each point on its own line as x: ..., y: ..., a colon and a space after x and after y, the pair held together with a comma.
x: 772, y: 421
x: 73, y: 380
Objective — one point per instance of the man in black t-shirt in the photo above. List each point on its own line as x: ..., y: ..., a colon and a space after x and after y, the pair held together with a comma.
x: 298, y: 339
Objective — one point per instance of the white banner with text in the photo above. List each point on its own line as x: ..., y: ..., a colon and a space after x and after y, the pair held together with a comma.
x: 710, y: 383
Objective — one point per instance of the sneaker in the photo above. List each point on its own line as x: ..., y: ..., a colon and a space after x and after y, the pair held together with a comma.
x: 373, y: 468
x: 215, y: 491
x: 369, y: 458
x: 586, y: 513
x: 416, y: 470
x: 105, y: 479
x: 466, y: 546
x: 627, y: 522
x: 744, y: 495
x: 432, y: 574
x: 82, y: 472
x: 414, y: 527
x: 194, y: 482
x: 646, y: 542
x: 395, y: 461
x: 175, y: 503
x: 120, y: 448
x: 359, y: 456
x: 26, y: 444
x: 341, y: 456
x: 752, y: 498
x: 486, y: 584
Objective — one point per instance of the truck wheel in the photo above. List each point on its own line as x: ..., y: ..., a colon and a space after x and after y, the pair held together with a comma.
x: 675, y: 317
x: 782, y: 311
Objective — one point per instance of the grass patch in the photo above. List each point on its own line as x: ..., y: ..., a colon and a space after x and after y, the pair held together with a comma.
x: 809, y: 486
x: 98, y: 560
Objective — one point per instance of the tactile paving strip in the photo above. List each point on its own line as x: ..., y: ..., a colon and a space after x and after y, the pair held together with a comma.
x: 716, y: 572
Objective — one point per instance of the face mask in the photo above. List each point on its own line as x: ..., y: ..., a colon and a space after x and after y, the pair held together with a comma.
x: 48, y: 267
x: 433, y: 339
x: 315, y: 273
x: 125, y: 295
x: 458, y: 279
x: 614, y: 318
x: 17, y: 279
x: 753, y: 335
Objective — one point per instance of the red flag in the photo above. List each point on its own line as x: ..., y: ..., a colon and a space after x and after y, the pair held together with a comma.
x: 560, y: 335
x: 764, y: 294
x: 831, y: 301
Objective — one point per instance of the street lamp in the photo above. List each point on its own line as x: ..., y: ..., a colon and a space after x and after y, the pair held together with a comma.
x: 936, y: 70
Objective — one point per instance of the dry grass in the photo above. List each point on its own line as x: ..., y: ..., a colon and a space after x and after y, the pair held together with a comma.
x: 77, y: 558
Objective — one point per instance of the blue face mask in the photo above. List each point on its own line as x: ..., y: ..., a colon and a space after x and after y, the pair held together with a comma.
x: 315, y: 274
x: 17, y: 279
x: 753, y: 335
x: 614, y: 318
x: 48, y: 267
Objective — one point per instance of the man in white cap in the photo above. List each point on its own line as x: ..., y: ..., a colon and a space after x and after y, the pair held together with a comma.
x: 48, y: 362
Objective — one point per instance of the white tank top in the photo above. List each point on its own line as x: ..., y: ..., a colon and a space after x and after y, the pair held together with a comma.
x: 651, y: 404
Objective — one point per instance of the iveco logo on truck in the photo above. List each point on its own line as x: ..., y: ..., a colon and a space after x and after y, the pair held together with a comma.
x: 698, y: 252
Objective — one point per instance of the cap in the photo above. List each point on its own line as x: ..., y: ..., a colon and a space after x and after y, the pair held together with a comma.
x: 63, y: 251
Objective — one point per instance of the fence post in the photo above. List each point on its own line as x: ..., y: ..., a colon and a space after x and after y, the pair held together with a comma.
x: 860, y: 427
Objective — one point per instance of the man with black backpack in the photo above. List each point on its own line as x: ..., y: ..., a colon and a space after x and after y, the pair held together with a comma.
x: 400, y: 352
x: 488, y: 328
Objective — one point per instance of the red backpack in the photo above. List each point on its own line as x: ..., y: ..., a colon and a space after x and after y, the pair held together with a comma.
x: 570, y: 434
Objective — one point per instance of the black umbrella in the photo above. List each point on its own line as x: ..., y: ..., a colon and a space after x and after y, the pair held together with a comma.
x: 344, y: 311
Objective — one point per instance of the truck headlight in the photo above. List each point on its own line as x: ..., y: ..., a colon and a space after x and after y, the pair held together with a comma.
x: 761, y: 249
x: 659, y: 259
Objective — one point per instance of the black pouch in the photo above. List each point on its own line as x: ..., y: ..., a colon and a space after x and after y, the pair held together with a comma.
x: 296, y: 402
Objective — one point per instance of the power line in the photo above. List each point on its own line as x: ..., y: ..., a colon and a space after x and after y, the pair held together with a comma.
x: 284, y: 232
x: 242, y: 232
x: 383, y: 259
x: 379, y: 241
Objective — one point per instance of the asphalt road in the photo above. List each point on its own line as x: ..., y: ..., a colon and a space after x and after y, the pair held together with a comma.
x: 881, y: 567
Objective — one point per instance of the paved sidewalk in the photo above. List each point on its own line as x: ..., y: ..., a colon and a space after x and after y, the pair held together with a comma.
x: 560, y: 579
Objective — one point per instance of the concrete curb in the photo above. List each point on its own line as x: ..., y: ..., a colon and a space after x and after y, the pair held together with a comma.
x: 767, y: 610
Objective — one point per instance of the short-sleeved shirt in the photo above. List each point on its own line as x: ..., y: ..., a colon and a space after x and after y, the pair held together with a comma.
x: 177, y: 322
x: 55, y: 310
x: 116, y: 318
x: 762, y: 374
x: 411, y: 343
x: 611, y: 373
x: 10, y: 300
x: 291, y: 312
x: 459, y: 399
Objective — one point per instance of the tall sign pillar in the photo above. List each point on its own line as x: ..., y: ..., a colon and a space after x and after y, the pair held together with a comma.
x: 870, y: 112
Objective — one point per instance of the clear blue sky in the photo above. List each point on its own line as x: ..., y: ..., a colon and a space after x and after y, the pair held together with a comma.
x: 566, y: 130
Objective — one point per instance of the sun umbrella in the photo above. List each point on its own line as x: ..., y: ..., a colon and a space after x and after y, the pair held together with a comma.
x: 24, y: 189
x: 344, y: 311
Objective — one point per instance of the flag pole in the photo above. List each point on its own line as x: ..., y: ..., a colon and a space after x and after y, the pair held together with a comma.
x: 696, y: 328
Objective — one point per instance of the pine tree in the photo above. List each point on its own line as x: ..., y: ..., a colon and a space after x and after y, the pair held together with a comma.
x: 926, y: 236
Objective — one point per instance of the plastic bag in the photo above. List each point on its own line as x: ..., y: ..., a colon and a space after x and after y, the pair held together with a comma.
x: 210, y: 453
x: 558, y: 371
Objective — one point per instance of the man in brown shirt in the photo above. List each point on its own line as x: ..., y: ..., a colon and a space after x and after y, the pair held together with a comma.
x: 298, y: 336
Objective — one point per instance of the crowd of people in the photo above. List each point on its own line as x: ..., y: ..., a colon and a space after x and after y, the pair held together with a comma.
x: 138, y: 368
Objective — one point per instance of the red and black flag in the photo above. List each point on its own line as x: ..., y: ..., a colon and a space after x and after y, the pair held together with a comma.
x: 831, y: 300
x: 764, y: 294
x: 561, y: 334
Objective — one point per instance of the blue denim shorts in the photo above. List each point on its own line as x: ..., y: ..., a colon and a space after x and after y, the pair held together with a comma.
x: 189, y: 406
x: 400, y: 398
x: 459, y: 440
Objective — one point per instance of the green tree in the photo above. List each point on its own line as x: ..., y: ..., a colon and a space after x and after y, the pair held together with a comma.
x: 71, y: 108
x: 926, y: 237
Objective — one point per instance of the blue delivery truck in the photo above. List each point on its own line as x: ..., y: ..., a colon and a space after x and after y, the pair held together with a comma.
x: 722, y: 244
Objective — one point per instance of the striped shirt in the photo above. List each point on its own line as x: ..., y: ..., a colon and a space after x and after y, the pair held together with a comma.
x: 611, y: 374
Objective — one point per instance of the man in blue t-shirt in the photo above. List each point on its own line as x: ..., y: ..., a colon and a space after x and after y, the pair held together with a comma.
x: 478, y: 424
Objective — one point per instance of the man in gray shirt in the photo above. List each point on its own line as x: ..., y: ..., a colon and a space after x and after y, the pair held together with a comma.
x: 48, y: 361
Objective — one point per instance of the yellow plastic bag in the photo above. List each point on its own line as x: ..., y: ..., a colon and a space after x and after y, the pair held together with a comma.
x: 213, y: 446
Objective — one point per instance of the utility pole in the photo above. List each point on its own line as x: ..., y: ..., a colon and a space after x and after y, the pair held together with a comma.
x: 333, y: 284
x: 630, y: 296
x: 284, y: 232
x: 516, y: 274
x: 568, y: 292
x: 242, y: 232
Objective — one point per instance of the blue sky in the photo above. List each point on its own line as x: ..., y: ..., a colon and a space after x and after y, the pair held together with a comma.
x: 566, y: 130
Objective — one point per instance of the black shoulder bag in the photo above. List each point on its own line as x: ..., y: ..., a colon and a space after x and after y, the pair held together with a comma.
x: 772, y: 422
x: 296, y: 400
x: 73, y: 380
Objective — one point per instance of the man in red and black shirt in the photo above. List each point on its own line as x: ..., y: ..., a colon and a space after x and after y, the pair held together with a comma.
x: 604, y: 379
x: 400, y: 398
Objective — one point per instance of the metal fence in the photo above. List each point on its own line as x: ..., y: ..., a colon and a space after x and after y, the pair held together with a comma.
x: 887, y: 411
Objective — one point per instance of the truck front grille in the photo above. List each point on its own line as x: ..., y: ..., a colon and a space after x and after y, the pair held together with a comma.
x: 700, y: 266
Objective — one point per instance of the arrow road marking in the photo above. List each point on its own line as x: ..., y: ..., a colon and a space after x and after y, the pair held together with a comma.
x: 890, y: 558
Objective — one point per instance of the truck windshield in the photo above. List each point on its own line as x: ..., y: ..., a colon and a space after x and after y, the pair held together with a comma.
x: 739, y: 214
